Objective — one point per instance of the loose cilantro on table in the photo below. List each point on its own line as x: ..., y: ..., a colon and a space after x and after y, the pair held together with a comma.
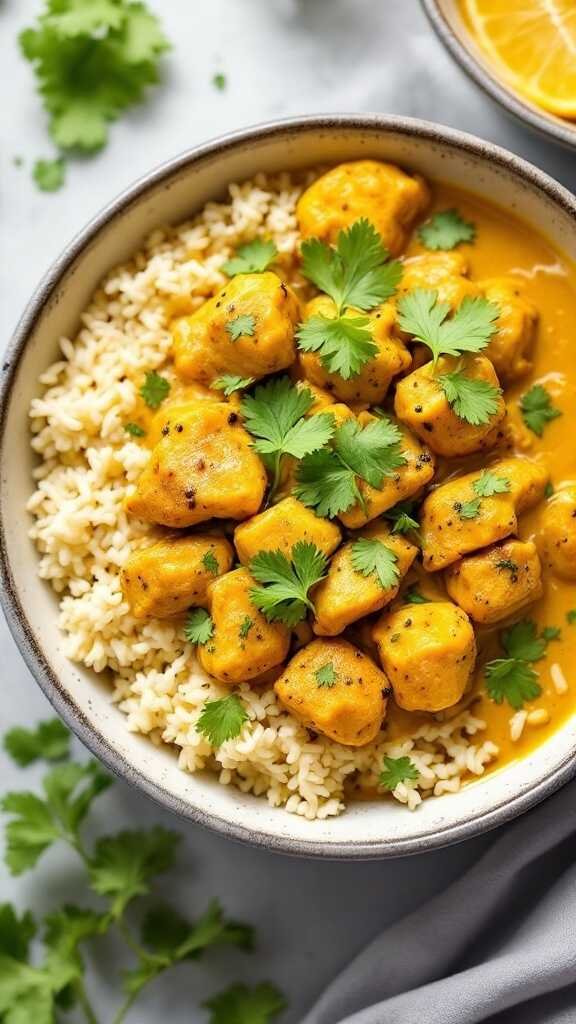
x: 49, y: 175
x: 154, y: 389
x: 210, y: 563
x: 473, y: 400
x: 357, y: 273
x: 537, y: 409
x: 134, y: 429
x: 285, y: 583
x: 327, y: 480
x: 275, y: 416
x: 199, y: 627
x: 397, y: 770
x: 242, y: 327
x: 49, y: 741
x: 252, y: 258
x: 222, y: 720
x: 230, y: 382
x: 490, y: 483
x: 402, y: 517
x: 326, y: 675
x: 445, y: 230
x: 513, y: 678
x: 242, y: 1005
x: 92, y: 60
x: 371, y: 557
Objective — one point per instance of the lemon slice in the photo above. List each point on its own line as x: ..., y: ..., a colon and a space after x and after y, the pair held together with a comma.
x: 533, y: 42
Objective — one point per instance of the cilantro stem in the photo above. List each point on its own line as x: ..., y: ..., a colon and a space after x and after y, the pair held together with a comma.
x: 125, y: 1008
x: 84, y: 1002
x: 275, y: 483
x: 130, y: 941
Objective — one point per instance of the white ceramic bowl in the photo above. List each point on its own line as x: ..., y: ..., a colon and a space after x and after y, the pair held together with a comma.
x: 448, y: 23
x: 170, y: 194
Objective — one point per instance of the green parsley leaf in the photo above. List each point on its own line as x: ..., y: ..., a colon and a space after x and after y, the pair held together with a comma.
x: 537, y: 409
x: 49, y: 175
x: 511, y: 680
x: 245, y: 627
x: 413, y: 596
x: 283, y: 596
x: 571, y: 617
x: 49, y: 741
x: 426, y: 319
x: 16, y: 933
x: 445, y: 230
x: 397, y: 770
x: 326, y: 675
x: 210, y: 563
x: 521, y: 641
x: 468, y: 509
x: 239, y: 1004
x: 123, y: 865
x: 199, y: 627
x: 230, y: 382
x: 402, y: 517
x: 372, y: 557
x: 92, y: 60
x: 358, y: 272
x: 219, y: 81
x: 474, y: 401
x: 222, y: 720
x: 154, y: 389
x: 252, y: 258
x: 489, y: 484
x: 134, y: 429
x: 344, y: 343
x: 550, y: 633
x: 241, y: 327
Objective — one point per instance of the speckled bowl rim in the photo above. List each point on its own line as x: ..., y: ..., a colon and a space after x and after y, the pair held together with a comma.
x: 32, y: 653
x: 550, y: 126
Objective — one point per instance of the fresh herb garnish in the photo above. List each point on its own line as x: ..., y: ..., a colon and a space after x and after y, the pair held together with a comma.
x: 154, y: 389
x: 222, y: 720
x: 490, y: 483
x: 326, y: 675
x: 274, y: 415
x: 219, y: 81
x: 473, y: 400
x: 230, y: 382
x: 284, y: 594
x: 134, y: 429
x: 239, y: 1004
x: 49, y: 175
x: 468, y: 509
x: 370, y: 556
x: 402, y: 517
x: 550, y: 633
x: 245, y: 627
x: 571, y: 617
x: 445, y: 230
x: 397, y: 770
x: 326, y: 480
x: 414, y: 596
x: 252, y: 258
x: 548, y: 490
x: 513, y: 678
x: 199, y: 627
x: 537, y: 409
x: 507, y: 563
x: 242, y: 327
x: 210, y: 563
x: 426, y: 319
x: 521, y: 641
x: 49, y: 741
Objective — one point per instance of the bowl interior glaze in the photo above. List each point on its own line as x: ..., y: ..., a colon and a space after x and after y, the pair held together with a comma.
x: 170, y: 194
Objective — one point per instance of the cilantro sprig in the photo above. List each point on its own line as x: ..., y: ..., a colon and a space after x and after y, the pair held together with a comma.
x: 231, y: 382
x: 326, y: 676
x: 49, y: 741
x: 473, y: 400
x: 222, y: 720
x: 239, y: 1004
x: 356, y: 274
x: 154, y: 389
x: 199, y: 627
x: 371, y: 557
x: 403, y: 517
x: 445, y: 230
x: 537, y: 409
x: 426, y: 319
x: 397, y: 770
x: 512, y: 678
x: 327, y: 480
x: 490, y: 483
x: 251, y: 258
x: 241, y: 327
x: 284, y: 594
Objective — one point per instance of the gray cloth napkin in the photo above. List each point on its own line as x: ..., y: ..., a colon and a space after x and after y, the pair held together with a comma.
x: 498, y: 946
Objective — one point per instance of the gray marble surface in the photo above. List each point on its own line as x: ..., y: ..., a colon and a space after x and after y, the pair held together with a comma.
x: 281, y: 57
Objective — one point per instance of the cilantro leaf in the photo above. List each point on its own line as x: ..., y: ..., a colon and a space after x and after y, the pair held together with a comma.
x: 16, y: 933
x: 92, y: 61
x: 537, y: 409
x: 426, y: 319
x: 26, y: 993
x: 326, y: 675
x: 239, y: 1004
x: 401, y: 516
x: 122, y: 866
x: 397, y: 770
x: 550, y: 633
x: 199, y: 627
x: 445, y: 230
x: 252, y: 258
x: 326, y: 484
x: 49, y: 175
x: 413, y: 596
x: 489, y: 484
x: 344, y: 343
x: 474, y: 401
x: 372, y: 557
x: 210, y: 563
x: 283, y: 596
x: 511, y: 680
x: 521, y: 641
x: 245, y: 627
x: 230, y: 382
x: 219, y: 81
x: 154, y: 389
x: 468, y: 509
x: 165, y: 931
x: 507, y: 563
x: 222, y: 720
x: 49, y: 741
x: 571, y: 617
x: 134, y: 429
x: 358, y: 272
x: 241, y: 327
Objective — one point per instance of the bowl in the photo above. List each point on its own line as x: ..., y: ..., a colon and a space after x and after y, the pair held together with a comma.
x: 449, y: 25
x: 169, y: 194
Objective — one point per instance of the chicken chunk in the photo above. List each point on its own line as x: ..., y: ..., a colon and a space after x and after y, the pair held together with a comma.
x: 496, y: 583
x: 373, y: 381
x: 428, y: 652
x: 331, y: 687
x: 166, y: 578
x: 244, y: 644
x: 559, y: 534
x: 421, y: 403
x: 281, y: 527
x: 443, y: 272
x: 455, y: 520
x: 510, y: 347
x: 247, y: 329
x: 346, y: 595
x: 203, y: 468
x: 406, y: 481
x: 382, y: 193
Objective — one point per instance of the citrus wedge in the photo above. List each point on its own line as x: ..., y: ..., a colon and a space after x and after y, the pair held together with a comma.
x: 533, y: 43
